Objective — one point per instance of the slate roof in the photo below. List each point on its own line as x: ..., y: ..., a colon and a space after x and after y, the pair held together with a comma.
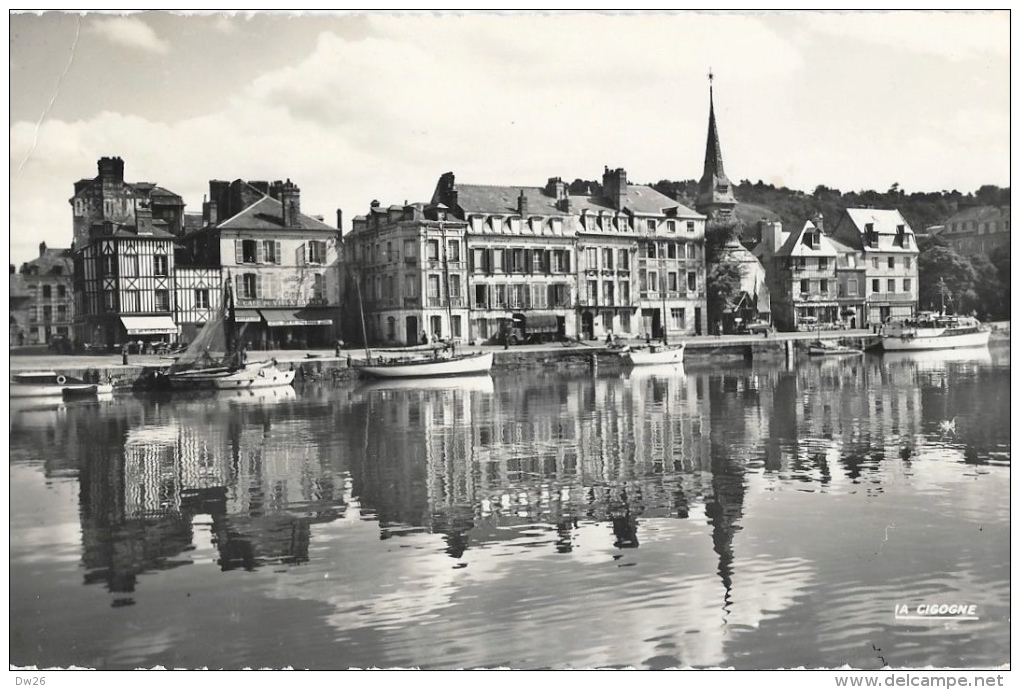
x: 267, y: 214
x: 980, y: 214
x: 502, y: 200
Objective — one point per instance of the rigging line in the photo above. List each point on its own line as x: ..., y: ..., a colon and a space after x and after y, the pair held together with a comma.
x: 38, y: 125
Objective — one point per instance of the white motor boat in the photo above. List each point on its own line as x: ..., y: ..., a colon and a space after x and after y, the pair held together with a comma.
x: 38, y: 384
x: 471, y: 364
x: 654, y: 354
x: 930, y: 331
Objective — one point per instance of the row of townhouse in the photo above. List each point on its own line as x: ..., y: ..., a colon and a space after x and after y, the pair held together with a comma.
x: 626, y: 260
x: 977, y: 230
x: 146, y: 271
x: 41, y: 301
x: 859, y: 275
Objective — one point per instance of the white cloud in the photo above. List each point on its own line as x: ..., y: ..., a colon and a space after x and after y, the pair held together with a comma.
x: 131, y: 32
x: 952, y: 35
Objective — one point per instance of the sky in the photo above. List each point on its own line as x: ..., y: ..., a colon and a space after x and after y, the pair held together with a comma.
x: 376, y: 106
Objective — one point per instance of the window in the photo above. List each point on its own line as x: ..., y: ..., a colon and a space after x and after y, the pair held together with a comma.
x: 455, y: 328
x: 671, y: 250
x: 316, y: 252
x: 62, y: 312
x: 805, y: 287
x: 453, y: 249
x: 538, y: 295
x: 801, y: 262
x: 561, y: 261
x: 851, y: 286
x: 319, y: 286
x: 651, y: 225
x: 161, y: 265
x: 672, y: 281
x: 391, y: 328
x: 517, y: 296
x: 876, y: 285
x: 607, y: 259
x: 500, y: 298
x: 478, y: 260
x: 410, y: 285
x: 650, y: 250
x: 433, y: 287
x: 249, y: 285
x: 593, y: 291
x: 692, y: 282
x: 271, y: 251
x: 823, y: 286
x: 608, y: 290
x: 892, y: 262
x: 874, y: 262
x: 653, y: 281
x: 691, y: 250
x: 454, y: 287
x: 677, y: 318
x: 625, y: 293
x: 47, y: 313
x: 690, y: 226
x: 409, y: 254
x: 591, y: 258
x: 906, y: 285
x: 61, y: 291
x: 162, y: 300
x: 498, y: 263
x: 130, y: 301
x: 481, y: 296
x: 823, y: 263
x: 46, y: 292
x: 906, y: 262
x: 625, y: 322
x: 891, y: 284
x: 249, y: 252
x: 517, y: 261
x: 436, y: 323
x: 202, y: 298
x: 624, y: 262
x: 671, y: 225
x: 538, y: 261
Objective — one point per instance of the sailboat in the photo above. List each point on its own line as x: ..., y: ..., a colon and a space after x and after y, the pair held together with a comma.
x: 439, y: 362
x: 214, y: 361
x: 657, y: 353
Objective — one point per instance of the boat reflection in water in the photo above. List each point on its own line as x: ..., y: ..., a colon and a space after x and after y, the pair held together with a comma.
x: 747, y: 516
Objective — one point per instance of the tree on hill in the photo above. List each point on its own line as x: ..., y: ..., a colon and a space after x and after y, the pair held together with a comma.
x: 941, y: 272
x: 987, y: 287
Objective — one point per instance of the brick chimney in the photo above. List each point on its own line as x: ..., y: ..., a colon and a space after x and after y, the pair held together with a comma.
x: 42, y: 249
x: 290, y: 198
x: 522, y: 205
x: 111, y: 169
x: 340, y: 220
x: 819, y: 222
x: 614, y: 187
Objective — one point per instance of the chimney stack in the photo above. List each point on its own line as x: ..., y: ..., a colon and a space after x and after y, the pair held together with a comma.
x: 340, y: 220
x: 290, y: 198
x: 111, y: 169
x: 42, y: 249
x: 522, y: 205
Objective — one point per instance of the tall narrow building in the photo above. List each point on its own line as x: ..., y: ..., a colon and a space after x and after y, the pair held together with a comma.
x: 715, y: 193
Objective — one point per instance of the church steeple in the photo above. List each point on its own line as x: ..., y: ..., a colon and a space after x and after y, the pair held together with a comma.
x: 715, y: 193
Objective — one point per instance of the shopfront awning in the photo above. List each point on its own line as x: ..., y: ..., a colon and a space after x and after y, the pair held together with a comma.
x: 294, y: 317
x: 148, y: 325
x: 246, y: 316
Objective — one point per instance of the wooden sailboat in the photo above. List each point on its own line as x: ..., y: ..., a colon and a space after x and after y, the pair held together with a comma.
x: 434, y: 363
x: 203, y: 366
x: 657, y: 353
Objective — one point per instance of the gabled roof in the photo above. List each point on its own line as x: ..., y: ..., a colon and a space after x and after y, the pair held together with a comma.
x: 796, y: 244
x: 884, y: 221
x: 267, y: 214
x: 502, y: 200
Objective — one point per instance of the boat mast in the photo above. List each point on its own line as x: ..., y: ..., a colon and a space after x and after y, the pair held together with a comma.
x: 229, y: 318
x: 361, y: 313
x: 665, y: 311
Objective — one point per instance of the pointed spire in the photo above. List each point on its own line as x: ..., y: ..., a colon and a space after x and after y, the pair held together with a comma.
x: 715, y: 193
x: 713, y: 152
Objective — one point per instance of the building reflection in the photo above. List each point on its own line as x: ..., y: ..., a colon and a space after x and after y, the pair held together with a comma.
x: 144, y: 482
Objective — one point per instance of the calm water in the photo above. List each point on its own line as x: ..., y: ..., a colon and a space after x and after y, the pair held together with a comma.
x: 738, y: 515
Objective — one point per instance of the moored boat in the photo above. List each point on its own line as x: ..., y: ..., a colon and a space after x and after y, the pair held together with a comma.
x: 654, y: 354
x: 823, y: 348
x: 931, y: 331
x: 37, y: 384
x: 469, y: 364
x: 215, y: 361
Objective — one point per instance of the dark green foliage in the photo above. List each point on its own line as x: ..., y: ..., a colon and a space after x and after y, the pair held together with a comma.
x: 941, y: 270
x: 723, y: 288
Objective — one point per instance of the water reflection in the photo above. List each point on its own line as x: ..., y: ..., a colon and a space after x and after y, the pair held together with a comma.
x: 696, y: 510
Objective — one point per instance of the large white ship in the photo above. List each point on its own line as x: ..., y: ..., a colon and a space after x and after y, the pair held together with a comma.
x: 931, y: 331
